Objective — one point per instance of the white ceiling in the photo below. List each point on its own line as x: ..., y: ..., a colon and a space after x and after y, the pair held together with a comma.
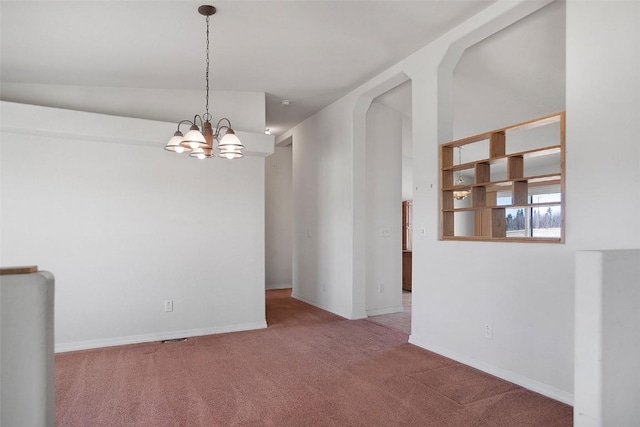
x: 310, y: 52
x: 515, y: 75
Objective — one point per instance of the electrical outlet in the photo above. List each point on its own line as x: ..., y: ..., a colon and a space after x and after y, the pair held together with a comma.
x: 168, y: 306
x: 380, y: 288
x: 385, y: 232
x: 488, y: 331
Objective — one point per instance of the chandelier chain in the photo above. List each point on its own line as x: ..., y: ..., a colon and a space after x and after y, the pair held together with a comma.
x: 207, y: 115
x: 459, y: 162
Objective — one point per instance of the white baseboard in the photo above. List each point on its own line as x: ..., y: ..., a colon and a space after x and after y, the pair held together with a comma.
x: 358, y: 315
x: 278, y: 286
x: 528, y: 383
x: 381, y: 311
x: 159, y: 336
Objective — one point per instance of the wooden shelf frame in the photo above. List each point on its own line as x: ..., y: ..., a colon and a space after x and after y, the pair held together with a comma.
x: 545, y: 179
x: 490, y: 222
x: 507, y: 239
x: 510, y: 206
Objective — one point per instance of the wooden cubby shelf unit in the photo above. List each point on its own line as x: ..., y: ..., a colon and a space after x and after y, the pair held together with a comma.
x: 489, y: 216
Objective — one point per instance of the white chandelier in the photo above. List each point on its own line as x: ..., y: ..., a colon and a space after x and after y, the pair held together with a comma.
x: 198, y: 142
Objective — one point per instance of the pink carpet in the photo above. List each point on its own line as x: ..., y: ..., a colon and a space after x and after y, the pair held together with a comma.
x: 309, y: 368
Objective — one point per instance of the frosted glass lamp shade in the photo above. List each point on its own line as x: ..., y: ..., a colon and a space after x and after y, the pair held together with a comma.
x: 202, y: 153
x: 230, y: 140
x: 174, y: 144
x: 194, y: 139
x: 230, y: 146
x: 230, y: 154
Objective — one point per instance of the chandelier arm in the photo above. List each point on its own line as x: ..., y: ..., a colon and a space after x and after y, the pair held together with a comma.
x: 184, y: 121
x: 197, y: 116
x: 218, y: 133
x: 222, y: 120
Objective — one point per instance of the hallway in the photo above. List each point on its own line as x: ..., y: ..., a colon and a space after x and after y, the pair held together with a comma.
x: 399, y: 321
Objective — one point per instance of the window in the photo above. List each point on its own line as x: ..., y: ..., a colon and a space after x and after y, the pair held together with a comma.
x: 542, y: 218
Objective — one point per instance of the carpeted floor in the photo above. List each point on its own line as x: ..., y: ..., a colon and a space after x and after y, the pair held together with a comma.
x: 309, y: 368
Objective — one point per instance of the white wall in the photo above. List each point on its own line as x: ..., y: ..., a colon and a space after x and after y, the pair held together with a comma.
x: 407, y: 158
x: 278, y: 218
x: 322, y: 209
x: 531, y: 313
x: 603, y: 124
x: 603, y: 108
x: 27, y: 372
x: 530, y: 308
x: 384, y: 210
x: 126, y: 227
x: 524, y: 291
x: 607, y: 338
x: 246, y: 110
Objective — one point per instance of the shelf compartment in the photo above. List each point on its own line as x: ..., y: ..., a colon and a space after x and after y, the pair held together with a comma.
x: 478, y: 197
x: 446, y: 157
x: 497, y: 147
x: 482, y: 222
x: 463, y: 223
x: 532, y: 138
x: 447, y: 200
x: 482, y: 173
x: 498, y: 222
x: 515, y: 167
x: 487, y: 222
x: 520, y: 192
x: 508, y: 185
x: 512, y: 160
x: 447, y: 178
x: 546, y: 179
x: 447, y: 224
x: 529, y: 154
